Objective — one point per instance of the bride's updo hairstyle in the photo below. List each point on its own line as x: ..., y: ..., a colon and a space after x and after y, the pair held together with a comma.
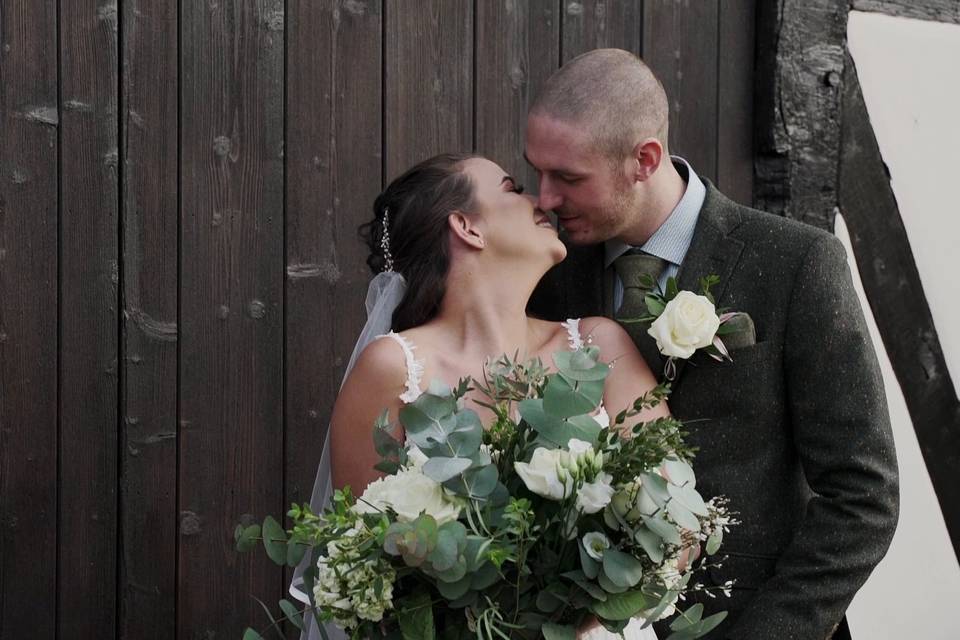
x: 416, y: 206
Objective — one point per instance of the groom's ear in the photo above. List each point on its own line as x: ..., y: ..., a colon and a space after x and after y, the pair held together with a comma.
x: 647, y: 155
x: 464, y: 227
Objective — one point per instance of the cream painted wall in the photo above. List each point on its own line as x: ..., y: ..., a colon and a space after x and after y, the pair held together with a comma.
x: 909, y: 74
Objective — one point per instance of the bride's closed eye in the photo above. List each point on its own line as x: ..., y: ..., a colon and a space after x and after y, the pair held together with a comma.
x: 517, y: 188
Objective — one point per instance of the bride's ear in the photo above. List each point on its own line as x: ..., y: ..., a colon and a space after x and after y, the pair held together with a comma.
x: 464, y: 227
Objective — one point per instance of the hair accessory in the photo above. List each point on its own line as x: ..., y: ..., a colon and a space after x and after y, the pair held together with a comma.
x: 385, y: 241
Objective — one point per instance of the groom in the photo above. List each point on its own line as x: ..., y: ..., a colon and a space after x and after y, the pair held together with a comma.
x: 795, y: 429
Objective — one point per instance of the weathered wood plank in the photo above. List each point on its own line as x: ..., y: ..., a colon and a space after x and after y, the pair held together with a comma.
x: 89, y: 268
x: 798, y: 107
x: 893, y: 286
x: 231, y: 314
x: 680, y: 44
x: 148, y: 366
x: 28, y: 318
x: 428, y: 104
x: 518, y: 47
x: 333, y: 166
x: 735, y: 99
x: 936, y: 10
x: 596, y: 24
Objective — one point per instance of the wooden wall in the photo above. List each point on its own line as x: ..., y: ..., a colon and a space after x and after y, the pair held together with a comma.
x: 180, y: 277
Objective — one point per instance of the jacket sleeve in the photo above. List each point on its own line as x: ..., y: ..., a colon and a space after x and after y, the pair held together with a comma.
x: 841, y: 430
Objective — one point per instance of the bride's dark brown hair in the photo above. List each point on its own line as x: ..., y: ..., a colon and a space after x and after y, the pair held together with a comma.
x: 417, y: 204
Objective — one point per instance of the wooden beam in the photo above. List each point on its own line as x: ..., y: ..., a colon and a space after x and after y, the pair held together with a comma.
x: 895, y: 291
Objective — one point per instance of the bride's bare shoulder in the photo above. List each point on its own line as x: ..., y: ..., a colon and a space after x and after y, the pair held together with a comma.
x: 382, y: 362
x: 606, y: 334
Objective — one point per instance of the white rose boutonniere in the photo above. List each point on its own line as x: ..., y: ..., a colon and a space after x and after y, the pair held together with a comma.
x: 688, y: 322
x: 683, y: 322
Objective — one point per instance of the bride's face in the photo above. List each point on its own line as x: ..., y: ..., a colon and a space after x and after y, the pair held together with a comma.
x: 512, y: 225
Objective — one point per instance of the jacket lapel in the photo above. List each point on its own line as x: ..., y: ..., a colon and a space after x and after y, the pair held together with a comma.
x: 712, y: 251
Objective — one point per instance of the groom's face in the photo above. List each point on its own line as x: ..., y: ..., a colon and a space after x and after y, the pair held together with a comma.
x: 590, y: 194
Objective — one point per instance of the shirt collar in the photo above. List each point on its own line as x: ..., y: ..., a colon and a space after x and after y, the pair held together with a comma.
x: 672, y: 240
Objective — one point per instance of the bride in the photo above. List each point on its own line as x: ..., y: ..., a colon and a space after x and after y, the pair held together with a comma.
x: 459, y: 249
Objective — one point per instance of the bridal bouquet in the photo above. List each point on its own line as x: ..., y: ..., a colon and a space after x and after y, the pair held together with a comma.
x: 524, y: 529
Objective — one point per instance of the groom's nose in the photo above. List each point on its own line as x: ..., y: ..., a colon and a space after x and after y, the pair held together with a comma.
x: 548, y: 198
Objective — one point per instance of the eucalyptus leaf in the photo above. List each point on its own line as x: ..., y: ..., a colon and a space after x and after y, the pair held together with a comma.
x: 553, y: 631
x: 444, y: 554
x: 656, y: 487
x: 714, y: 542
x: 275, y: 540
x: 651, y: 543
x: 295, y: 553
x: 441, y: 469
x: 607, y: 585
x: 688, y: 497
x: 590, y: 566
x: 622, y: 568
x: 687, y: 618
x: 484, y: 577
x: 662, y: 528
x: 563, y: 398
x: 578, y: 365
x: 623, y: 606
x: 250, y: 634
x: 453, y: 589
x: 683, y: 516
x: 292, y: 613
x: 557, y: 430
x: 247, y: 540
x: 680, y: 473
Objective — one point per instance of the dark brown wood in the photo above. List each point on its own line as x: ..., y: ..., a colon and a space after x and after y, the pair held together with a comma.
x: 798, y: 108
x: 518, y: 47
x: 680, y: 43
x: 895, y: 291
x: 333, y: 168
x: 28, y: 319
x: 735, y: 99
x: 936, y: 10
x: 231, y: 308
x: 428, y: 103
x: 148, y: 364
x: 596, y: 24
x: 89, y: 295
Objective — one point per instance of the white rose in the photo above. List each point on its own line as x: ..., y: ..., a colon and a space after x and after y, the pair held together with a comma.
x: 415, y: 457
x: 409, y: 493
x: 594, y: 496
x: 689, y: 322
x: 547, y: 473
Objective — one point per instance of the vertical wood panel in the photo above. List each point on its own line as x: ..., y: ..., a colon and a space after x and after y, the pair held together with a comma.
x: 148, y: 445
x: 28, y: 319
x: 89, y: 270
x: 599, y: 24
x: 735, y: 108
x: 429, y: 80
x: 231, y: 288
x: 333, y: 164
x: 591, y: 25
x: 518, y: 47
x: 680, y: 45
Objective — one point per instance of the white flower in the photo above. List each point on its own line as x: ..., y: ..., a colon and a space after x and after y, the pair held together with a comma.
x: 547, y: 474
x: 595, y: 543
x: 578, y: 447
x: 632, y: 501
x: 415, y: 457
x: 409, y: 493
x: 689, y: 322
x: 594, y: 496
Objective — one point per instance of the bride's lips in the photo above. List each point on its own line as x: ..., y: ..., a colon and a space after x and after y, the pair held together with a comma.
x: 543, y: 220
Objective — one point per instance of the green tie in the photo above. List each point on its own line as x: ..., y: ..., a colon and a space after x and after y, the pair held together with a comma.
x: 631, y: 268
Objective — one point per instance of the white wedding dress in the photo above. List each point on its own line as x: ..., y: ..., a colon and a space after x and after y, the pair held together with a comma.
x: 413, y: 390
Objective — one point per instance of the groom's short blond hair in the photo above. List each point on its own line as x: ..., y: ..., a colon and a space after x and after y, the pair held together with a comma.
x: 612, y: 94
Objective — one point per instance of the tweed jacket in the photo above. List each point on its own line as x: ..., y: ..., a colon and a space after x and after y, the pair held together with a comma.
x: 794, y: 431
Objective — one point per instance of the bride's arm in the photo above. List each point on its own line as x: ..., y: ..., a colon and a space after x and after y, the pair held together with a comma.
x: 375, y: 384
x: 629, y: 377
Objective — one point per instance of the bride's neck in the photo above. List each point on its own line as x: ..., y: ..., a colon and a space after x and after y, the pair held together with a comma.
x: 487, y: 316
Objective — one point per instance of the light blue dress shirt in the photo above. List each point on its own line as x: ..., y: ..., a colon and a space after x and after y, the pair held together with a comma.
x: 672, y: 240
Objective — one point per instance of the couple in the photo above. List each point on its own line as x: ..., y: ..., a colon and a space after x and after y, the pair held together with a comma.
x: 794, y: 430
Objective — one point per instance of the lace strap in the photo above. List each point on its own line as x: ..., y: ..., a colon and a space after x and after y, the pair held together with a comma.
x: 414, y: 367
x: 572, y: 325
